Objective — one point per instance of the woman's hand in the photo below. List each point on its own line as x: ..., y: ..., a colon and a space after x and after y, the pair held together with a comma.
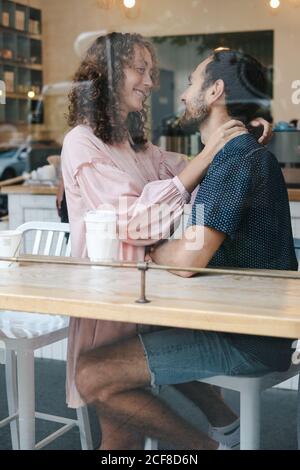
x: 267, y: 132
x: 222, y: 135
x: 195, y: 171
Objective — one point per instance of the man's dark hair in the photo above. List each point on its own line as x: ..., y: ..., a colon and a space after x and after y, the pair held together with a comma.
x: 245, y: 80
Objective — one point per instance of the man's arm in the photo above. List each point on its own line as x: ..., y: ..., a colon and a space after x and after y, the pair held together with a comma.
x: 195, y: 249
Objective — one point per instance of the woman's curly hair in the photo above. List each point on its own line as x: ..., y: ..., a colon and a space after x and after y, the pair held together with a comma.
x: 95, y: 96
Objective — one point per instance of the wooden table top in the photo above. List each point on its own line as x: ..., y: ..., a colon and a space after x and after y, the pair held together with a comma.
x: 219, y: 302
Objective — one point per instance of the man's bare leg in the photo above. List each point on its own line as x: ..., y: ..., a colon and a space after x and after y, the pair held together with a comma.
x: 209, y: 399
x: 119, y: 375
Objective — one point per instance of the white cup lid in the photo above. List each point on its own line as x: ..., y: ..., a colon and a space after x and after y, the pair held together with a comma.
x: 101, y: 216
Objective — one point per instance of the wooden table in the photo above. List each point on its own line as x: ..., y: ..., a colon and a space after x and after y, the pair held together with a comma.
x: 220, y: 302
x: 229, y: 303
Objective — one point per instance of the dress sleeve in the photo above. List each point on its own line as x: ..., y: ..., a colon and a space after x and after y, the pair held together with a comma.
x: 144, y: 217
x: 171, y: 163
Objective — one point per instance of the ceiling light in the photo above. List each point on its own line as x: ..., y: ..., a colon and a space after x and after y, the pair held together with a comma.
x: 129, y: 8
x: 129, y: 3
x: 274, y: 3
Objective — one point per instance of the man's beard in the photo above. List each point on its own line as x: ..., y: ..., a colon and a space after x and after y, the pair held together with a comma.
x: 196, y: 116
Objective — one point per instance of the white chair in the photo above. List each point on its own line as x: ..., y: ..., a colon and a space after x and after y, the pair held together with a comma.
x: 298, y: 416
x: 250, y: 388
x: 23, y: 333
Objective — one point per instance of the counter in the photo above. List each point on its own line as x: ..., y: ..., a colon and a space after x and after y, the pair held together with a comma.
x: 27, y: 189
x: 294, y: 195
x: 27, y: 203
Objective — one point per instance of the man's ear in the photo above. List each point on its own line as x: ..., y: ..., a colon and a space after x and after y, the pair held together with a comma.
x: 217, y: 91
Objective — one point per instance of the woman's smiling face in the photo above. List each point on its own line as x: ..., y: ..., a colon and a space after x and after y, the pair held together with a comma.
x: 138, y: 81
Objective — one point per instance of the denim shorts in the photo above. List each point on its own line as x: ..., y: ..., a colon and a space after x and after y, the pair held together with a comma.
x: 176, y: 355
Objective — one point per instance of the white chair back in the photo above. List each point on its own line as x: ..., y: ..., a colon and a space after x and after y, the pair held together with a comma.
x: 50, y: 238
x: 24, y: 333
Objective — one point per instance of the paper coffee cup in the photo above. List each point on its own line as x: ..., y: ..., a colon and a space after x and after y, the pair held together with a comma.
x: 101, y: 235
x: 10, y: 242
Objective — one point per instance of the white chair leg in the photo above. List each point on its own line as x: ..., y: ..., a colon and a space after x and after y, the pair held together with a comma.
x: 151, y: 444
x: 84, y: 428
x: 12, y: 394
x: 250, y: 417
x: 298, y: 414
x: 26, y: 399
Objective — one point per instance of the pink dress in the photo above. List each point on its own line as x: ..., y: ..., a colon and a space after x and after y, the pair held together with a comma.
x: 94, y: 174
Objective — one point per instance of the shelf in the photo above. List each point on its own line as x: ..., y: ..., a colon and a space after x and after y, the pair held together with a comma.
x: 189, y: 144
x: 20, y: 31
x: 20, y: 43
x: 20, y: 18
x: 21, y: 64
x: 20, y: 80
x: 23, y: 96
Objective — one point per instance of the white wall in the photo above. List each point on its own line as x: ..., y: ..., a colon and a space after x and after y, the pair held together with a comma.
x: 181, y: 60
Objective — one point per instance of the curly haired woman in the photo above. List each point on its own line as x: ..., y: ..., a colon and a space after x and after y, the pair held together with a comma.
x: 106, y: 156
